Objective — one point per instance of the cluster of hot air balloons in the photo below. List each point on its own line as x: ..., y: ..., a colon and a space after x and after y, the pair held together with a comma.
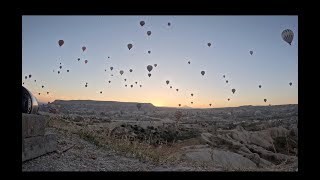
x: 34, y: 88
x: 287, y: 35
x: 149, y: 68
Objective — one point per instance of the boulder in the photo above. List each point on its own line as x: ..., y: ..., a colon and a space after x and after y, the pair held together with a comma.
x: 226, y: 159
x: 33, y: 125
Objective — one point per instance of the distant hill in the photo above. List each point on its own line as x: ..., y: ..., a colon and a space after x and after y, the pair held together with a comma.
x: 186, y: 107
x: 75, y: 106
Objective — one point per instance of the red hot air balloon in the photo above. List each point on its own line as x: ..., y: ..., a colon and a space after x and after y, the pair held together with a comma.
x: 83, y: 48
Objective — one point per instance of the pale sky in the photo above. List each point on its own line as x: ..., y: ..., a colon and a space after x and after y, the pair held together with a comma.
x: 274, y: 63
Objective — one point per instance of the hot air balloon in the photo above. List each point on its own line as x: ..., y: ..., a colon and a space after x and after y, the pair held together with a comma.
x: 26, y: 77
x: 149, y: 52
x: 121, y: 72
x: 228, y: 99
x: 179, y: 104
x: 86, y: 85
x: 259, y: 86
x: 191, y: 94
x: 30, y: 75
x: 47, y: 92
x: 130, y: 46
x: 170, y: 86
x: 142, y: 23
x: 111, y: 68
x: 167, y: 82
x: 60, y: 67
x: 149, y: 33
x: 155, y: 65
x: 131, y: 86
x: 209, y: 104
x: 108, y: 57
x: 86, y: 61
x: 42, y: 86
x: 84, y: 48
x: 100, y: 92
x: 149, y: 68
x: 136, y: 82
x: 233, y: 91
x: 191, y: 102
x: 209, y: 44
x: 224, y: 76
x: 105, y: 70
x: 39, y: 93
x: 169, y: 23
x: 177, y: 90
x: 188, y: 62
x: 140, y: 85
x: 78, y: 59
x: 149, y: 74
x: 109, y: 81
x: 35, y: 80
x: 125, y: 85
x: 68, y: 70
x: 125, y: 79
x: 130, y: 70
x: 287, y: 35
x: 202, y: 72
x: 290, y: 83
x: 265, y: 100
x: 111, y: 74
x: 22, y: 82
x: 227, y: 81
x: 60, y: 42
x: 60, y: 63
x: 58, y: 72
